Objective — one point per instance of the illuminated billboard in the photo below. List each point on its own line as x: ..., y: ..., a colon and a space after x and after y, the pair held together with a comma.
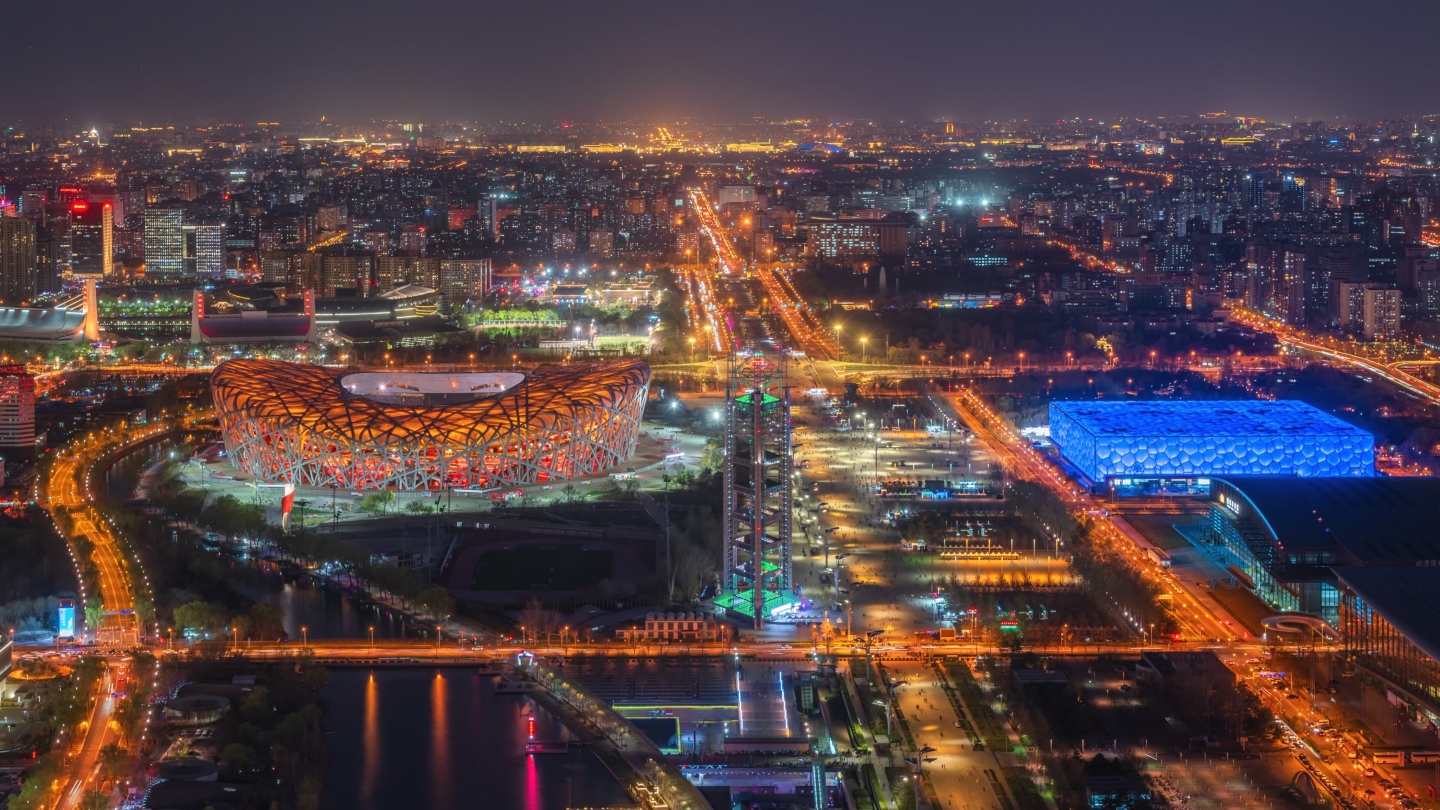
x: 65, y: 620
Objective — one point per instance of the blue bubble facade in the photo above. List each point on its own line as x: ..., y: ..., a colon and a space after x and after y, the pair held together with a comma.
x: 1105, y: 440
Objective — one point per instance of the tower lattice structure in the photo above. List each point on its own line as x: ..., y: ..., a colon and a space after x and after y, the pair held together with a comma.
x: 758, y: 571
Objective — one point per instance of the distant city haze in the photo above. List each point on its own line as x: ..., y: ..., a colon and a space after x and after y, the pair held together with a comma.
x: 94, y: 62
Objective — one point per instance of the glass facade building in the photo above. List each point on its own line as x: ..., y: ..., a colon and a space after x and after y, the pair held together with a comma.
x: 1390, y: 619
x: 1103, y: 441
x: 164, y: 242
x: 1287, y: 581
x: 1284, y: 537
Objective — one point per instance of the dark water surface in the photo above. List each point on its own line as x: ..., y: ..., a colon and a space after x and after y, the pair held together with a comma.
x: 442, y: 738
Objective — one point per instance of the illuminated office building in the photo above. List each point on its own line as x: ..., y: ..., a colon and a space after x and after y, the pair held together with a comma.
x: 92, y: 240
x: 204, y: 250
x: 164, y: 242
x: 17, y: 259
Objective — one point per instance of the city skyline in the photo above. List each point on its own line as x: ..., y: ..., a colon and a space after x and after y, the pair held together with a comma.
x: 925, y: 61
x: 699, y: 406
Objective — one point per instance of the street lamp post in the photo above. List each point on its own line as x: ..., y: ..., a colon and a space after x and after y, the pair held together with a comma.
x: 863, y: 341
x: 838, y: 558
x: 304, y: 638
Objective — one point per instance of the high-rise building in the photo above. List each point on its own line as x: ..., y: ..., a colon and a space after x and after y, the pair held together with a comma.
x: 843, y: 238
x: 32, y: 202
x: 1253, y: 187
x: 412, y: 240
x: 1417, y: 259
x: 738, y: 195
x: 17, y: 260
x: 602, y: 243
x: 280, y: 266
x: 1371, y: 309
x: 347, y: 273
x: 397, y: 271
x: 1380, y: 315
x: 330, y: 218
x: 17, y: 412
x: 164, y: 242
x: 489, y: 215
x: 464, y: 279
x: 92, y: 240
x: 283, y: 228
x: 1427, y: 293
x: 204, y: 250
x: 48, y: 252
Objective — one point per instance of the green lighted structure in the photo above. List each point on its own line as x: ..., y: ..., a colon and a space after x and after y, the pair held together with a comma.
x: 758, y: 575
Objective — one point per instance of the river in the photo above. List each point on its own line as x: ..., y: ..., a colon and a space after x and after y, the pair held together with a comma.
x: 441, y: 738
x: 423, y: 737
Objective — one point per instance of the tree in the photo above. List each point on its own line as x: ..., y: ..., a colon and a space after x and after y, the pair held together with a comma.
x: 256, y: 707
x: 308, y: 797
x: 419, y: 508
x: 316, y: 678
x: 128, y: 714
x: 202, y: 617
x: 693, y: 568
x: 377, y: 501
x: 236, y: 756
x: 144, y: 609
x: 113, y: 759
x: 267, y: 621
x: 534, y: 619
x: 228, y: 514
x: 436, y: 601
x: 241, y: 625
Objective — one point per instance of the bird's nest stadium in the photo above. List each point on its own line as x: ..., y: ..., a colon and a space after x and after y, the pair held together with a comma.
x: 416, y: 431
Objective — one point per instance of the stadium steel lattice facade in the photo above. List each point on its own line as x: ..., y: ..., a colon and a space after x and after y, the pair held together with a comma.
x: 315, y: 426
x: 1107, y: 440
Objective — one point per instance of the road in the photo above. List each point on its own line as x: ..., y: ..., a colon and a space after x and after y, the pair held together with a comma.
x: 1195, y: 613
x: 68, y: 489
x: 68, y: 486
x: 1333, y: 354
x: 806, y: 331
x: 896, y: 645
x: 955, y: 769
x: 84, y: 768
x: 1204, y: 623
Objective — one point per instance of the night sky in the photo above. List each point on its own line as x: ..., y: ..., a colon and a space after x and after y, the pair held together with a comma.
x: 97, y: 61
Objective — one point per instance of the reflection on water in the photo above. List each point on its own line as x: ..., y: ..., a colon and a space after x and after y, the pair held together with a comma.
x: 371, y: 737
x: 122, y: 476
x: 465, y: 749
x: 324, y: 612
x: 439, y: 740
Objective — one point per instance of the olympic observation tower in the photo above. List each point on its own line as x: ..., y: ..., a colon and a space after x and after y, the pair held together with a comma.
x: 758, y: 578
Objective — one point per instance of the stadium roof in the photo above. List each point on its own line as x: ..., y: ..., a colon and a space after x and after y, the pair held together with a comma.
x: 57, y: 323
x: 1238, y: 418
x: 255, y: 325
x: 1377, y: 521
x: 408, y: 292
x: 1407, y: 598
